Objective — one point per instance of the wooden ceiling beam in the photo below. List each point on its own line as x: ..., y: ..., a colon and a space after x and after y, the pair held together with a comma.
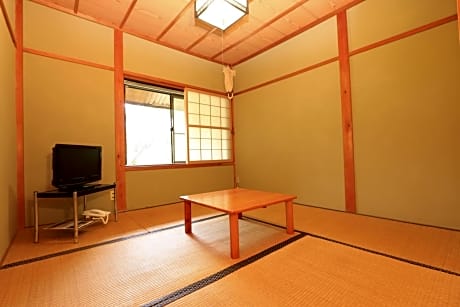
x: 174, y: 21
x: 264, y: 26
x: 128, y: 13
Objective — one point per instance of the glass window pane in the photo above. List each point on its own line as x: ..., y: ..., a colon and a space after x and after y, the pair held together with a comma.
x: 195, y: 155
x: 206, y: 155
x: 216, y: 154
x: 205, y: 109
x: 225, y: 112
x: 225, y: 122
x: 216, y: 133
x: 205, y: 144
x: 193, y: 108
x: 193, y: 119
x: 193, y: 97
x: 215, y: 101
x: 216, y: 144
x: 205, y: 120
x: 215, y: 121
x: 215, y: 111
x: 225, y: 103
x: 194, y: 144
x: 205, y: 99
x: 226, y: 155
x: 143, y: 147
x: 226, y: 144
x: 194, y: 132
x: 205, y: 133
x: 180, y: 147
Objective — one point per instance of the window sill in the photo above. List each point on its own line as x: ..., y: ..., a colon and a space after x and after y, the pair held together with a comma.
x: 174, y: 166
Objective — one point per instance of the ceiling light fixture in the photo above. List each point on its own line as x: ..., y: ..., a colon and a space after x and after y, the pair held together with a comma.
x: 220, y: 13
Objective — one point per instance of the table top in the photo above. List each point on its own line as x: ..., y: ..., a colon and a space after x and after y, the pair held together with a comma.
x: 237, y: 200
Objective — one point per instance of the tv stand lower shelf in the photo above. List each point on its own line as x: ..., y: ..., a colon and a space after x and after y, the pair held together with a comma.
x: 69, y: 225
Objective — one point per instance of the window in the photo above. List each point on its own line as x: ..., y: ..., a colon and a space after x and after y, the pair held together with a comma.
x: 209, y: 127
x: 160, y: 132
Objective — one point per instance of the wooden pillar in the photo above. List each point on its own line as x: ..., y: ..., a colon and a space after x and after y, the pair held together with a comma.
x: 458, y: 18
x: 120, y: 155
x: 347, y: 123
x: 20, y: 196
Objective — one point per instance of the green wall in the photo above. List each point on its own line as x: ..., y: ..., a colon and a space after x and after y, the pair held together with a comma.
x: 8, y: 194
x: 405, y: 110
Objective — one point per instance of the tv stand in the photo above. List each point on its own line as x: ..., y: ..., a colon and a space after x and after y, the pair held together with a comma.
x: 74, y: 194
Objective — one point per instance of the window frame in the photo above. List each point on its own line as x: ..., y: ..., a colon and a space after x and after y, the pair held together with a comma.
x: 187, y: 163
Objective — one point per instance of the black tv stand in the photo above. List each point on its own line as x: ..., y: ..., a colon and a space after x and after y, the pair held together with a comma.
x: 73, y: 193
x: 78, y: 187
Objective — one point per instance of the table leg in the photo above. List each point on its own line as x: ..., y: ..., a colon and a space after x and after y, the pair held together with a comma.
x: 75, y: 216
x: 289, y: 217
x: 188, y: 216
x: 234, y: 236
x: 36, y: 216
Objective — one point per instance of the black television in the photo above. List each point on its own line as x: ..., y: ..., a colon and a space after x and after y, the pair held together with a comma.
x: 76, y: 166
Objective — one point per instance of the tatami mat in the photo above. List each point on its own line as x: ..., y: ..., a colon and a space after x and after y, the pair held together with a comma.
x: 130, y: 223
x: 131, y: 272
x: 315, y: 272
x: 431, y: 246
x: 146, y: 258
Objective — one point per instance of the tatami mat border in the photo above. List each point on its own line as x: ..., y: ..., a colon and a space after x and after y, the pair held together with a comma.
x: 413, y: 262
x: 167, y: 299
x: 74, y: 250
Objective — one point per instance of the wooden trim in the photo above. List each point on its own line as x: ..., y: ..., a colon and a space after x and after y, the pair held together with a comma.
x: 174, y: 21
x: 128, y: 13
x: 300, y: 30
x: 289, y: 75
x: 169, y: 83
x: 75, y: 6
x: 20, y: 117
x: 347, y: 123
x: 232, y: 105
x: 175, y: 166
x: 458, y: 18
x: 354, y: 52
x: 7, y: 21
x: 67, y: 59
x: 411, y: 32
x: 262, y: 27
x: 120, y: 153
x: 199, y: 40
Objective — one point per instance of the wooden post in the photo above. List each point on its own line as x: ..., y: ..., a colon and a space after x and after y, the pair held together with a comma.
x: 119, y: 121
x: 347, y: 123
x: 20, y: 117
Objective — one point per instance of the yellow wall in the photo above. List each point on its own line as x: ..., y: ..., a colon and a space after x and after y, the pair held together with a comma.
x: 8, y: 133
x: 150, y: 188
x: 288, y: 134
x: 289, y: 140
x: 66, y: 102
x: 406, y: 116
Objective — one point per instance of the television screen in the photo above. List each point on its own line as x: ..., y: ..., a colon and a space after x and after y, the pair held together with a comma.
x: 76, y: 165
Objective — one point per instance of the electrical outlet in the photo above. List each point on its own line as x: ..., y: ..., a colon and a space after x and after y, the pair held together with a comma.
x: 112, y: 195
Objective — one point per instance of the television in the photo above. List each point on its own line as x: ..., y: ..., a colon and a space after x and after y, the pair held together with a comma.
x: 76, y: 166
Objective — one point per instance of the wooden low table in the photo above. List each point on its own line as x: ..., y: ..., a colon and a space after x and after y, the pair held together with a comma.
x: 234, y: 202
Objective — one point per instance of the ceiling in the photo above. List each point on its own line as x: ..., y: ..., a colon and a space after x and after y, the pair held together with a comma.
x: 172, y: 23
